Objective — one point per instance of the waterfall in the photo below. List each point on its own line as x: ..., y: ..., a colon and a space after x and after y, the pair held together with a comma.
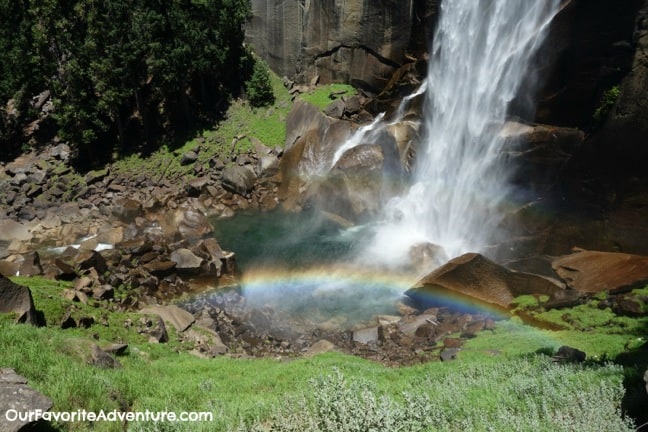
x: 479, y: 64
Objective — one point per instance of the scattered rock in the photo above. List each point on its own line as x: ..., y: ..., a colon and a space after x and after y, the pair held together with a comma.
x: 179, y: 318
x: 449, y: 354
x: 101, y: 359
x: 569, y: 354
x: 319, y: 347
x: 367, y: 335
x: 188, y: 158
x: 239, y: 179
x: 159, y: 333
x: 17, y: 299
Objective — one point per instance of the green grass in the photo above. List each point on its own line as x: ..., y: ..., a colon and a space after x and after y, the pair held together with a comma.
x: 499, y: 379
x: 320, y: 97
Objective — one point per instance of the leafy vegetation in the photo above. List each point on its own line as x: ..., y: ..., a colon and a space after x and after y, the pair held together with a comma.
x: 500, y: 382
x: 322, y: 96
x: 259, y: 87
x: 606, y: 103
x: 122, y: 72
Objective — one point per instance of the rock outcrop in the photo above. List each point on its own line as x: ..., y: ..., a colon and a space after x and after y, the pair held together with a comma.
x: 594, y: 271
x: 360, y: 42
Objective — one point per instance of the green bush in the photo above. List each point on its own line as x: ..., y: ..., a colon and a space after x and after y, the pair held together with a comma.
x: 259, y: 86
x: 606, y: 103
x: 526, y: 394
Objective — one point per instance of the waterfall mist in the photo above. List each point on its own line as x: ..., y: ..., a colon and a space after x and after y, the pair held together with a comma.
x: 479, y: 64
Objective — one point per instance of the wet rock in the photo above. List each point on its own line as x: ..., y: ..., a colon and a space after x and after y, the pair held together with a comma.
x: 16, y: 394
x: 193, y: 224
x: 593, y: 271
x: 196, y: 186
x: 17, y: 299
x: 87, y: 260
x: 410, y: 324
x: 475, y: 277
x: 137, y: 246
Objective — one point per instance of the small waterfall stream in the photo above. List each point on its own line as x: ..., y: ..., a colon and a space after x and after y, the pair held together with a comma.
x: 479, y: 63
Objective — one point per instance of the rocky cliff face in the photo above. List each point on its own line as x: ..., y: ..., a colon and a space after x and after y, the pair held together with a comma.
x: 356, y: 41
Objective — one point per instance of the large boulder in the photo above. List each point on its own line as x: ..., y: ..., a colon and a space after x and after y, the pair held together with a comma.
x: 594, y: 271
x: 239, y: 179
x: 17, y: 299
x: 476, y: 279
x: 311, y: 141
x: 353, y: 188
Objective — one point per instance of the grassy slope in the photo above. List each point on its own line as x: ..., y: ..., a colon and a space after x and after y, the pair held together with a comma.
x: 165, y: 378
x: 232, y: 135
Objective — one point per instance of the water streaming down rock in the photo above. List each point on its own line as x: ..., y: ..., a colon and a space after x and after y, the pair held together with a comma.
x: 479, y: 64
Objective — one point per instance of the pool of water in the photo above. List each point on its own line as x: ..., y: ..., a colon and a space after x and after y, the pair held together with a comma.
x: 302, y: 267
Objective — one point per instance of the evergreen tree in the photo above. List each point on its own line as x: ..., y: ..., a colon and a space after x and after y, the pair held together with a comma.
x: 259, y: 86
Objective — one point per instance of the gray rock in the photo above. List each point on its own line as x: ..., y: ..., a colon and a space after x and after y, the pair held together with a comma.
x: 15, y: 394
x: 449, y: 354
x: 335, y: 109
x: 189, y: 158
x: 101, y: 359
x: 159, y: 333
x: 366, y: 335
x: 17, y: 299
x: 179, y: 318
x: 186, y: 261
x: 239, y: 179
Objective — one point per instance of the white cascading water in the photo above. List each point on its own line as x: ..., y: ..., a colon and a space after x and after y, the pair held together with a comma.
x: 480, y: 59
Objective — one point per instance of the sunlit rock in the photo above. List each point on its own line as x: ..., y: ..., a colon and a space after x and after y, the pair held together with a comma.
x: 593, y: 271
x: 474, y: 278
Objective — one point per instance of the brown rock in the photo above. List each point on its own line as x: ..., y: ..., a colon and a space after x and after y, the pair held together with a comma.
x: 474, y: 277
x: 593, y: 272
